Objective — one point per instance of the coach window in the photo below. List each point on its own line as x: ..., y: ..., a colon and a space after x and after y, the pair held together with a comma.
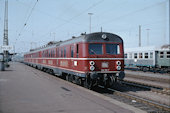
x: 146, y: 55
x: 57, y: 52
x: 125, y: 55
x: 46, y: 54
x: 168, y: 54
x: 140, y: 55
x: 151, y: 54
x: 54, y: 53
x: 64, y: 52
x: 162, y: 54
x: 135, y: 55
x: 61, y: 52
x: 72, y: 51
x: 77, y: 53
x: 95, y: 49
x: 51, y: 53
x: 130, y: 55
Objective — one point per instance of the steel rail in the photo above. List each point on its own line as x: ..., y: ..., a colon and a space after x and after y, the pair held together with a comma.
x: 142, y: 100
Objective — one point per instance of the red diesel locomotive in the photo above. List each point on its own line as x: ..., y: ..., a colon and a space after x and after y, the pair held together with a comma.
x: 90, y: 59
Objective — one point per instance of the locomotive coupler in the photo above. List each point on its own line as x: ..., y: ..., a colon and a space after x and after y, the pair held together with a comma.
x: 93, y: 75
x: 121, y: 75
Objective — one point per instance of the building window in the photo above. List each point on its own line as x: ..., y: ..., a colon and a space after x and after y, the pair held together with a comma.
x: 146, y: 55
x: 140, y: 55
x: 151, y: 54
x: 135, y: 55
x: 168, y: 54
x: 162, y: 54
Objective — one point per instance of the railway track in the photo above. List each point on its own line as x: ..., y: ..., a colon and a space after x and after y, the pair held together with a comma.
x: 162, y: 80
x: 150, y: 87
x: 136, y: 101
x: 149, y: 70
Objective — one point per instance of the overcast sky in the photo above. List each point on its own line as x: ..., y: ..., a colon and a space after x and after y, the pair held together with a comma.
x: 33, y: 23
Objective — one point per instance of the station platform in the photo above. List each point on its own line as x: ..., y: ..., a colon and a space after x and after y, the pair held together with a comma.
x: 24, y: 89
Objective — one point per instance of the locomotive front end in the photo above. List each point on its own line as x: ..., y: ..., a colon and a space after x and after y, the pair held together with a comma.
x: 105, y: 59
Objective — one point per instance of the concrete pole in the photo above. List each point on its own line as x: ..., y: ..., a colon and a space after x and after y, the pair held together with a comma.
x: 90, y: 14
x: 139, y: 35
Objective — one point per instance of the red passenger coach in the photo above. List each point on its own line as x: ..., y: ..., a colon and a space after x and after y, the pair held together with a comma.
x: 90, y: 59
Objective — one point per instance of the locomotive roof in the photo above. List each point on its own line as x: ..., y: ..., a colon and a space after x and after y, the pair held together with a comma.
x: 92, y: 37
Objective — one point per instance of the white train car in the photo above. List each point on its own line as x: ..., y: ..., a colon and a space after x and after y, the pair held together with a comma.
x: 148, y: 58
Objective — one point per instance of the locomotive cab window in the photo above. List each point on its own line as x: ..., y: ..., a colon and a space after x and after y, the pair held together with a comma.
x: 95, y: 49
x: 112, y: 49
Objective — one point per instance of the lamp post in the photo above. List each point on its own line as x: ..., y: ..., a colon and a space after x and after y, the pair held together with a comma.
x: 90, y: 14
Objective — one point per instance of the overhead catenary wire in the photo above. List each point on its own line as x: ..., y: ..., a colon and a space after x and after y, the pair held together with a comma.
x: 79, y: 14
x: 25, y: 23
x: 128, y: 14
x: 53, y: 16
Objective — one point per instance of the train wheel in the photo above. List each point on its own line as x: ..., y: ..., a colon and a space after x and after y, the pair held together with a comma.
x: 107, y: 84
x: 78, y: 81
x: 67, y: 77
x: 88, y: 83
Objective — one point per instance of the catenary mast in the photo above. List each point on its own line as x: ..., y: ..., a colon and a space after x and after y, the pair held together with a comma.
x: 5, y: 38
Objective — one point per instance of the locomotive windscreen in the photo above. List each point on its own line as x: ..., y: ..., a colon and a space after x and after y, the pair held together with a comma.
x: 112, y: 49
x: 96, y: 49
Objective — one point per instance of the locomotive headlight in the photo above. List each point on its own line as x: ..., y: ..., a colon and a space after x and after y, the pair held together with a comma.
x: 92, y: 63
x: 118, y: 68
x: 92, y: 68
x: 118, y: 63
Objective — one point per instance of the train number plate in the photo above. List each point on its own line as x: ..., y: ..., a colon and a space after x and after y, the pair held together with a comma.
x: 105, y: 65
